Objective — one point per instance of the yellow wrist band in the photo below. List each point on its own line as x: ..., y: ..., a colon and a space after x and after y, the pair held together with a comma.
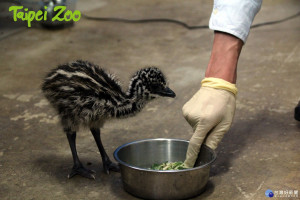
x: 219, y: 84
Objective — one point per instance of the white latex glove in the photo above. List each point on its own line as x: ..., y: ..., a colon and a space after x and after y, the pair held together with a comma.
x: 210, y: 113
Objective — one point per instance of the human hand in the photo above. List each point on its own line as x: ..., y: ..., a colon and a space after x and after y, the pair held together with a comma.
x: 210, y: 113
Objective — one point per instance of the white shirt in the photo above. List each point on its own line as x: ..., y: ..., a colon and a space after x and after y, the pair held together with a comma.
x: 234, y: 16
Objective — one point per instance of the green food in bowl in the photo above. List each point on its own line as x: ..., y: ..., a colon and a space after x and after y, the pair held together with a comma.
x: 168, y: 166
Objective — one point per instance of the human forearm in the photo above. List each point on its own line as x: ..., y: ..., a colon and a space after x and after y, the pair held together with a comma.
x: 211, y: 110
x: 224, y: 57
x: 231, y: 21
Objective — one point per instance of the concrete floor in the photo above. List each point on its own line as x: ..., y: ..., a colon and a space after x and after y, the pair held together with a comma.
x: 260, y: 152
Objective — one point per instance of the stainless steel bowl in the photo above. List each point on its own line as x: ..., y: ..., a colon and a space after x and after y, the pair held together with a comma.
x: 137, y: 157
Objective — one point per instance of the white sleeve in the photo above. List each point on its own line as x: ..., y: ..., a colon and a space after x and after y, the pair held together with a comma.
x: 234, y: 16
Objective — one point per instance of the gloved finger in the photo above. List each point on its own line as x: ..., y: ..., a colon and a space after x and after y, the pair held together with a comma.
x: 216, y: 135
x: 195, y: 143
x: 200, y: 132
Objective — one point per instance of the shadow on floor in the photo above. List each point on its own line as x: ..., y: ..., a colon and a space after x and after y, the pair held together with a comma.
x: 209, y: 189
x: 59, y: 167
x: 262, y: 126
x: 242, y: 134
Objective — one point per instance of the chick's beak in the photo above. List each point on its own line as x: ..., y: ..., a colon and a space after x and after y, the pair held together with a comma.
x: 166, y: 92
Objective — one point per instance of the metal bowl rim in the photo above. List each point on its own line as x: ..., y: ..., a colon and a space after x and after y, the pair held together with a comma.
x: 162, y: 171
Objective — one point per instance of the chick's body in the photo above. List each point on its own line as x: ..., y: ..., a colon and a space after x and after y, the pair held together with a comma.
x: 84, y: 94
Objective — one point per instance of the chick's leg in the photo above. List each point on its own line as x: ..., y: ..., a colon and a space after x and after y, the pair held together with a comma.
x: 107, y: 164
x: 78, y: 168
